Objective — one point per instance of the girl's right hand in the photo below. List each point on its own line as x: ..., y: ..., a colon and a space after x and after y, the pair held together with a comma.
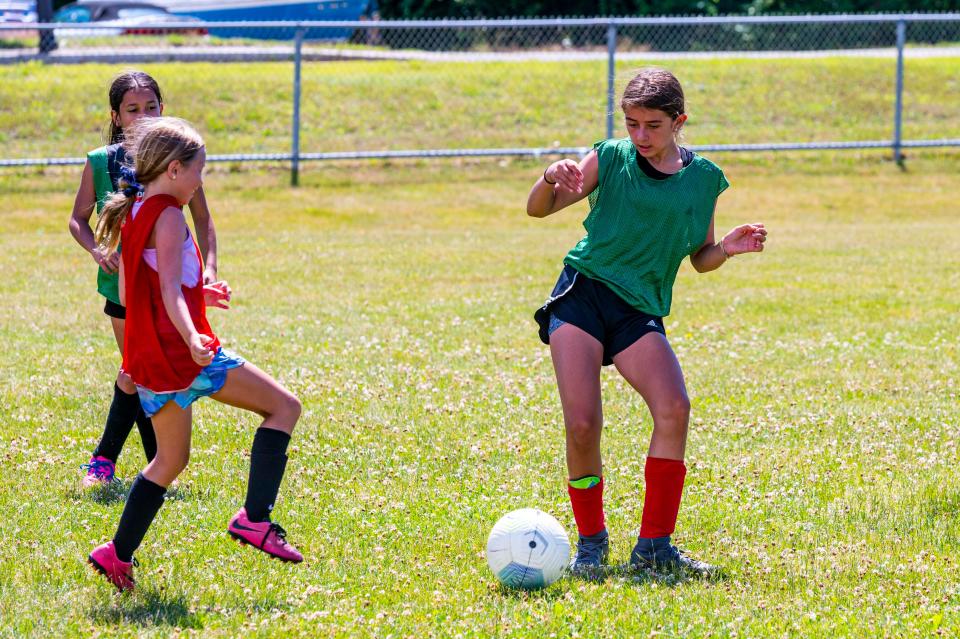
x: 109, y: 262
x: 567, y: 174
x: 217, y: 294
x: 198, y: 349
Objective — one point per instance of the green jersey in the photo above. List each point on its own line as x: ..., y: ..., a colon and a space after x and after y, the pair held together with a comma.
x: 105, y: 163
x: 639, y: 228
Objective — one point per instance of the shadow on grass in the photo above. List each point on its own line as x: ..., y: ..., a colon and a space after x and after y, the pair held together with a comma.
x: 116, y: 492
x: 178, y: 492
x: 146, y: 608
x: 625, y: 573
x: 543, y: 594
x: 106, y: 494
x: 622, y: 573
x: 941, y: 505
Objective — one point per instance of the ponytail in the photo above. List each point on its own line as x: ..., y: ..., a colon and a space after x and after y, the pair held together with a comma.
x: 111, y: 219
x: 116, y: 208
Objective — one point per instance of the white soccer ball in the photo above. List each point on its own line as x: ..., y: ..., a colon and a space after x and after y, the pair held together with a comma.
x: 528, y: 549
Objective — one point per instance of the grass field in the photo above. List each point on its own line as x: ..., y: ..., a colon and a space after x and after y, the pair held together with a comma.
x: 57, y: 111
x: 395, y: 299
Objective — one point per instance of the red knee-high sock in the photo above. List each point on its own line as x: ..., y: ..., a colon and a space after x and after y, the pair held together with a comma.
x: 588, y: 508
x: 661, y: 503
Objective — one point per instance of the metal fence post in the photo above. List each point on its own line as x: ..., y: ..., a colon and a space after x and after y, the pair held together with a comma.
x: 48, y: 42
x: 611, y: 73
x: 295, y: 147
x: 898, y: 106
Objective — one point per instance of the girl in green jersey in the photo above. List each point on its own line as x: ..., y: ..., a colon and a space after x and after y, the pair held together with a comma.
x: 133, y: 95
x: 651, y: 205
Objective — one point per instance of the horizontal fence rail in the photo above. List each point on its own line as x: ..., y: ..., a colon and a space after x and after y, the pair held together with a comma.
x: 542, y: 44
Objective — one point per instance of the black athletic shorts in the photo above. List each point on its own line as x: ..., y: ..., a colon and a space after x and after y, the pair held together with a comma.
x: 115, y: 310
x: 592, y: 306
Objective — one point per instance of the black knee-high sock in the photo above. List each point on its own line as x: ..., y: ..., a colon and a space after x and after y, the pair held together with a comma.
x: 147, y: 436
x: 143, y: 502
x: 123, y: 412
x: 268, y: 460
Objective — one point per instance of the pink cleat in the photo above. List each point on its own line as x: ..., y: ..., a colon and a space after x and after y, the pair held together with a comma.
x: 100, y: 472
x: 265, y: 535
x: 105, y: 561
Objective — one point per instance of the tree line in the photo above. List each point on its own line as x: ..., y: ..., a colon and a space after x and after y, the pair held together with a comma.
x: 426, y: 9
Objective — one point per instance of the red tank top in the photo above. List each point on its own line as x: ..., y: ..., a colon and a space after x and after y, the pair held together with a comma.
x: 154, y: 354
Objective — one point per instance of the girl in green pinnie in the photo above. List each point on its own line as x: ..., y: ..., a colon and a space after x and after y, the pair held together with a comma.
x: 133, y: 95
x: 652, y: 204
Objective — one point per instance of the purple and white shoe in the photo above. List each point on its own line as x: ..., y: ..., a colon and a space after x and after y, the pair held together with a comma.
x: 263, y: 535
x: 100, y: 472
x: 105, y: 561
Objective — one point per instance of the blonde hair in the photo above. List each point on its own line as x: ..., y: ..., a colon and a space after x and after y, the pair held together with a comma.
x: 152, y: 144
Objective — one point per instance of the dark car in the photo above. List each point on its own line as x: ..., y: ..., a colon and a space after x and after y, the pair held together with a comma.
x: 129, y: 18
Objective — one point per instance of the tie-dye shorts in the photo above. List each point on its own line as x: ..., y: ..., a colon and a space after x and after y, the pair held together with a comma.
x: 210, y: 380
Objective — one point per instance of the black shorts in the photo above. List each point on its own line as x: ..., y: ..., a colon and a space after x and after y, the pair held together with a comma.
x: 592, y: 306
x: 115, y: 310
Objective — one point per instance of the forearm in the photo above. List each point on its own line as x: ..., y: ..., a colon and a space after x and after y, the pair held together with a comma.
x: 206, y: 233
x: 82, y: 233
x: 207, y: 240
x: 709, y: 258
x: 541, y: 199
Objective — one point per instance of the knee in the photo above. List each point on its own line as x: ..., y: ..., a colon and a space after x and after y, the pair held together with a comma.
x: 292, y: 408
x: 287, y: 410
x: 125, y: 383
x: 674, y: 413
x: 584, y: 432
x: 167, y: 466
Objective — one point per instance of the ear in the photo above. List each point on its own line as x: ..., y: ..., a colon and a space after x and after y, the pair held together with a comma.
x: 678, y: 123
x: 173, y: 169
x: 161, y: 108
x: 115, y: 118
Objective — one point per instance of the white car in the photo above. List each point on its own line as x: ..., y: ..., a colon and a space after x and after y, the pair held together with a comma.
x: 123, y: 18
x: 13, y: 12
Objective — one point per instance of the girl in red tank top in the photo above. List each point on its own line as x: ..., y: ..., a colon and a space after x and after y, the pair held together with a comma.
x: 172, y: 354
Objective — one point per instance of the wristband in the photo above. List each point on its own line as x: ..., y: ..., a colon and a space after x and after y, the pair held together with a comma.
x: 545, y: 177
x: 726, y: 256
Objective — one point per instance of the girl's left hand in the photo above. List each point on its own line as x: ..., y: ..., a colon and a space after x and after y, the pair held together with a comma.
x: 748, y: 238
x: 217, y: 294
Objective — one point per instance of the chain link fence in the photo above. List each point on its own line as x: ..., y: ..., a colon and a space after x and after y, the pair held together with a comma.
x: 310, y: 91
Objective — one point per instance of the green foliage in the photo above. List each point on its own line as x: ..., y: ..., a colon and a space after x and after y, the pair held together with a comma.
x: 413, y: 9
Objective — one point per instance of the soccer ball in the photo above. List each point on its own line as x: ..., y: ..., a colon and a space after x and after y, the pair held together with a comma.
x: 528, y: 549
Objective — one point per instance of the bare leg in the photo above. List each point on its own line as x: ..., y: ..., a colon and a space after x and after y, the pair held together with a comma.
x: 651, y: 367
x: 118, y: 325
x: 577, y: 358
x: 123, y: 380
x: 147, y: 492
x: 123, y: 413
x: 172, y: 426
x: 250, y: 388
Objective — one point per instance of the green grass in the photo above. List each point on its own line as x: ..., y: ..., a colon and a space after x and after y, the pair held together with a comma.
x: 57, y: 111
x: 396, y: 301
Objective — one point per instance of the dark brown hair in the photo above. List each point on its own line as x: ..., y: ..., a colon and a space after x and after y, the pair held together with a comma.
x: 654, y: 88
x: 124, y: 82
x: 152, y: 145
